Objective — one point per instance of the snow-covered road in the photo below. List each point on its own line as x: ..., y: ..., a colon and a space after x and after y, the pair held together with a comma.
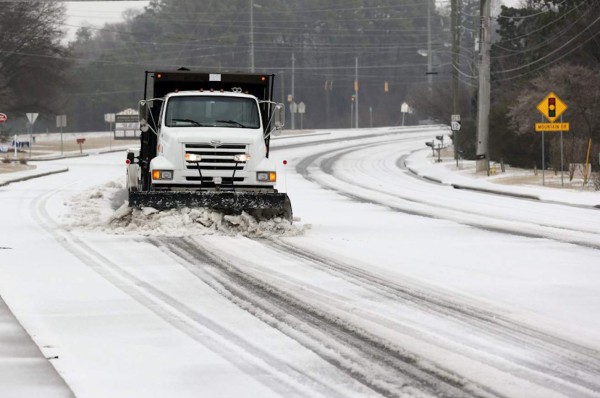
x: 389, y: 285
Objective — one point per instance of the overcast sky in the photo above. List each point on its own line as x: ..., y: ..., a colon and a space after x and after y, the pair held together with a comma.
x: 97, y: 13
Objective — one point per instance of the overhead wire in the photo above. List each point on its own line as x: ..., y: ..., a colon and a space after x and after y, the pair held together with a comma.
x: 557, y: 36
x: 521, y: 67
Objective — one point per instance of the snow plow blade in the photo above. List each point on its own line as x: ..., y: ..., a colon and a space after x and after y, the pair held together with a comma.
x: 261, y: 205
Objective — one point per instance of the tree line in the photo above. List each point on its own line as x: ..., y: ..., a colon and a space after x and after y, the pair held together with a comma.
x: 541, y: 46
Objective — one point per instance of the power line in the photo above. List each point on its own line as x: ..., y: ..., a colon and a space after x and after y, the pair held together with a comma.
x: 550, y: 53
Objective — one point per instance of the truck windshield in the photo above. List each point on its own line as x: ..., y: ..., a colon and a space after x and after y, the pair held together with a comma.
x: 212, y: 111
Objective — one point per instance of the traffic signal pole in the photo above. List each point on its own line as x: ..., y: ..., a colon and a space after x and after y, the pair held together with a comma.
x: 483, y: 108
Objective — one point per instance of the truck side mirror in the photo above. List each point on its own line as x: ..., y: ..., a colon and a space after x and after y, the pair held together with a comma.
x: 143, y: 114
x: 279, y: 118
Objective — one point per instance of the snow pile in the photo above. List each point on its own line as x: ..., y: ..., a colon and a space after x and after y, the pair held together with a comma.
x: 106, y: 209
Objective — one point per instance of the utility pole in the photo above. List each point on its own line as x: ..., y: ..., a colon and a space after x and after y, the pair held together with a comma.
x: 356, y: 91
x: 429, y: 55
x: 282, y: 87
x: 454, y: 4
x: 252, y: 36
x: 455, y: 52
x: 483, y: 108
x: 293, y: 88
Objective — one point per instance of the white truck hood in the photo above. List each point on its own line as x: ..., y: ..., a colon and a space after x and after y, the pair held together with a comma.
x: 223, y: 134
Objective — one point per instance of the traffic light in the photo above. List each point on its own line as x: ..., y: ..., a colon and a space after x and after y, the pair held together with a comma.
x: 386, y: 87
x: 551, y: 107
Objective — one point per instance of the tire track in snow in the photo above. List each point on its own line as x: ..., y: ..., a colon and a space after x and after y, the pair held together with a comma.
x: 181, y: 316
x: 412, y: 206
x: 346, y: 346
x: 575, y: 368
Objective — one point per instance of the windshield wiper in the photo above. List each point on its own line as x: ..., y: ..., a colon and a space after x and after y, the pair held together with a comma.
x: 195, y: 123
x: 232, y: 122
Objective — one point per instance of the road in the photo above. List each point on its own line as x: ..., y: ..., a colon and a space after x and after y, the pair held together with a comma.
x: 388, y: 285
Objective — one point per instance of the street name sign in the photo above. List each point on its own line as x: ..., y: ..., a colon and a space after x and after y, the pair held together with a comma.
x: 552, y: 127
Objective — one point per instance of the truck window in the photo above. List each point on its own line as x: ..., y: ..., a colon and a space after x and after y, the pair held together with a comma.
x: 194, y: 111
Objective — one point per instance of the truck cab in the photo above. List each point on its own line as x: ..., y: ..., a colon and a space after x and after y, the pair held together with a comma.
x: 204, y: 135
x: 213, y: 140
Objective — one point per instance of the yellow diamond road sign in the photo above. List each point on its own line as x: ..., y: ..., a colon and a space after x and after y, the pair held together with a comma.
x: 552, y: 107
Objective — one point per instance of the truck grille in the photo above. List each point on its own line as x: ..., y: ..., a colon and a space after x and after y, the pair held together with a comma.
x: 215, y: 158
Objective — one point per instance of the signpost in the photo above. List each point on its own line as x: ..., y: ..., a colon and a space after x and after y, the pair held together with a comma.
x: 127, y: 124
x: 455, y: 122
x: 3, y: 119
x: 61, y: 121
x: 455, y: 127
x: 293, y: 109
x: 301, y: 111
x: 552, y: 108
x: 32, y: 117
x: 404, y: 110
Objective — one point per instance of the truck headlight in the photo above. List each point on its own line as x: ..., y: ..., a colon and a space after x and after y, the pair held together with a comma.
x: 162, y: 174
x: 242, y: 157
x: 266, y: 176
x: 192, y: 157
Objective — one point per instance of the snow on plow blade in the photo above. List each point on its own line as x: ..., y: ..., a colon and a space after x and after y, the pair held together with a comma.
x: 265, y: 205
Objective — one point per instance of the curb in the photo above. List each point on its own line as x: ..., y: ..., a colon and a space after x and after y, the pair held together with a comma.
x: 59, y: 157
x: 82, y: 155
x: 471, y: 188
x: 495, y: 192
x: 29, y: 177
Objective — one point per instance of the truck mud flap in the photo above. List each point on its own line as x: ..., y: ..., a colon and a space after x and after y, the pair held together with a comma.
x: 267, y: 205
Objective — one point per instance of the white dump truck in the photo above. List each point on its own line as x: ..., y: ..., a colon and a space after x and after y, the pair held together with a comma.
x: 205, y: 143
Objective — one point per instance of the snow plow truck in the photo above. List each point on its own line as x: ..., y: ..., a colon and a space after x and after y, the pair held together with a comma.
x: 205, y: 140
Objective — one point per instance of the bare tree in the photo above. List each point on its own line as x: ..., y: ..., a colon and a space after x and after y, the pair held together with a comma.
x: 579, y: 88
x: 32, y: 64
